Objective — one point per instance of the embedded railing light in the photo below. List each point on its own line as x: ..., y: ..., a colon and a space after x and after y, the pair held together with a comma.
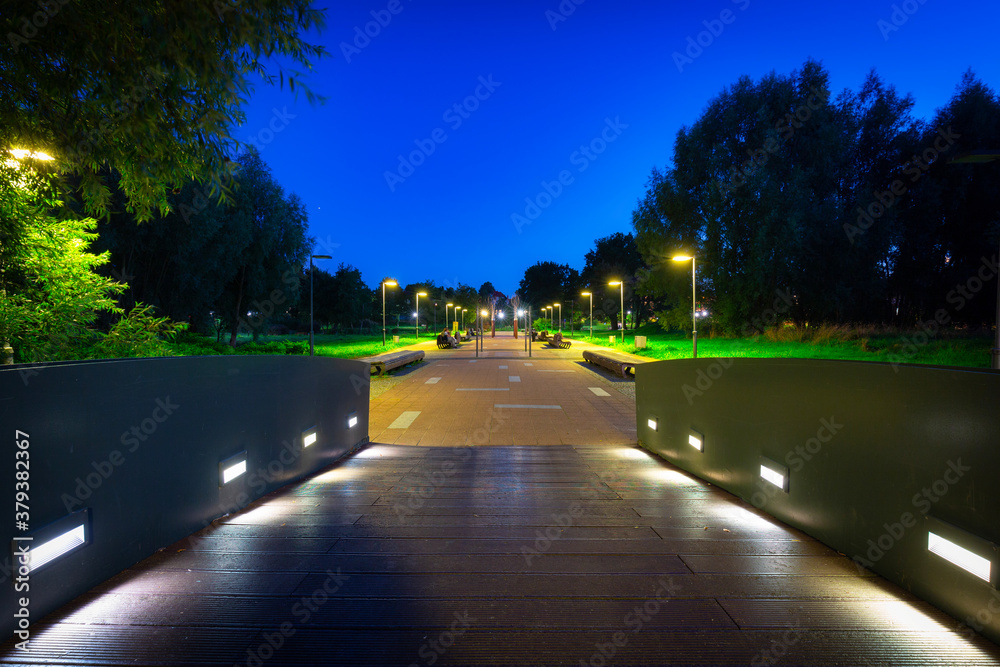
x: 308, y: 438
x: 960, y: 556
x: 58, y: 546
x: 232, y: 468
x: 774, y: 472
x: 772, y: 476
x: 695, y: 440
x: 352, y: 420
x: 651, y: 423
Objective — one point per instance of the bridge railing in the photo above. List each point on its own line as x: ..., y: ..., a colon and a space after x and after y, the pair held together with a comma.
x: 894, y: 465
x: 106, y: 462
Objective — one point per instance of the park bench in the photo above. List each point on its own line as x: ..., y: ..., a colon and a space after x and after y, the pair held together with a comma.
x: 557, y: 341
x: 383, y: 363
x: 540, y: 336
x: 616, y: 362
x: 443, y: 343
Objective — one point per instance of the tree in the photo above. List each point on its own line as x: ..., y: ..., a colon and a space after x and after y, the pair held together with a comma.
x: 272, y: 230
x: 50, y: 295
x: 545, y: 283
x: 763, y: 189
x: 614, y: 257
x: 142, y: 87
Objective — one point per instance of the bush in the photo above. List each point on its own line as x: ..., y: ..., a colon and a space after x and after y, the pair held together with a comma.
x: 138, y: 334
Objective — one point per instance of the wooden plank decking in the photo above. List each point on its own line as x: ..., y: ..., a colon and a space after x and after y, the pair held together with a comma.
x: 547, y: 555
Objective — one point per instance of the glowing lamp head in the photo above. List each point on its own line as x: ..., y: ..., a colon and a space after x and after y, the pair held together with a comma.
x: 389, y: 283
x: 615, y: 283
x: 682, y: 258
x: 421, y: 293
x: 22, y: 153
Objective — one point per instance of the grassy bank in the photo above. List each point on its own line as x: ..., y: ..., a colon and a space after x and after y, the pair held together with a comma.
x: 863, y: 344
x: 946, y: 349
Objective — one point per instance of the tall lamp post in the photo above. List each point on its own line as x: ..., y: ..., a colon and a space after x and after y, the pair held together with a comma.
x: 591, y: 312
x: 621, y: 285
x: 694, y: 308
x: 311, y: 326
x: 416, y: 315
x: 385, y: 283
x: 559, y: 306
x: 447, y: 322
x: 983, y: 157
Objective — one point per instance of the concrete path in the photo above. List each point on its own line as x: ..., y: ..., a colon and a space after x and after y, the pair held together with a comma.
x: 503, y: 397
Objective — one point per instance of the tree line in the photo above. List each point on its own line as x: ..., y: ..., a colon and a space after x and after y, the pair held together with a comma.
x: 838, y: 208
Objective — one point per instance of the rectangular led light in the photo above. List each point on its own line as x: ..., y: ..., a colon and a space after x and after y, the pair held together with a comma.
x: 774, y: 472
x: 309, y: 439
x: 233, y: 471
x: 352, y: 420
x: 232, y: 468
x: 58, y: 546
x: 651, y: 423
x: 773, y: 476
x: 694, y: 441
x: 960, y: 556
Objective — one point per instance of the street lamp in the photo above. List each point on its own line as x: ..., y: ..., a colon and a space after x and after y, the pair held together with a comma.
x: 385, y: 283
x: 982, y: 157
x: 694, y: 312
x: 461, y: 322
x: 416, y: 315
x: 311, y: 258
x: 591, y: 312
x: 559, y: 305
x: 447, y: 322
x: 621, y: 285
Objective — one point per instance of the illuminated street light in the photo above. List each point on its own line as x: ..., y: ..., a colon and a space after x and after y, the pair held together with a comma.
x: 446, y: 320
x: 311, y: 326
x: 694, y: 311
x: 591, y: 312
x: 621, y: 285
x: 416, y: 315
x: 559, y: 305
x: 385, y: 283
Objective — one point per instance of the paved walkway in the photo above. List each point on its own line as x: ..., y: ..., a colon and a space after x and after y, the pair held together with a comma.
x: 503, y: 397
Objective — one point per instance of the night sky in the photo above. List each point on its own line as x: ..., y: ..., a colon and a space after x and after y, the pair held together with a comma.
x: 594, y: 95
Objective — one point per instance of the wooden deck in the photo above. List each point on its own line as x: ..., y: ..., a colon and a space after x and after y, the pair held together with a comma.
x: 546, y: 555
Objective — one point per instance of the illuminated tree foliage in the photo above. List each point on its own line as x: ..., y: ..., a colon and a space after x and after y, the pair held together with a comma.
x: 148, y: 88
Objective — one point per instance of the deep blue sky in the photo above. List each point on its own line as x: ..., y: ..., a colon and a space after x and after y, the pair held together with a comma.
x: 450, y: 221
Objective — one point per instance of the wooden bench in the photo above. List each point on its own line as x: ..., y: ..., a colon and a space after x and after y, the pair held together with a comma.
x: 618, y: 363
x: 383, y: 363
x: 540, y: 335
x: 557, y: 341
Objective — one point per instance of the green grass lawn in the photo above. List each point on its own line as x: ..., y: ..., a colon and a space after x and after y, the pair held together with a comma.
x: 946, y: 349
x: 913, y: 348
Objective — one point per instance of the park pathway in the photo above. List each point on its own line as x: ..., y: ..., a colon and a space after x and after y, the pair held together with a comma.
x: 577, y: 549
x: 503, y: 397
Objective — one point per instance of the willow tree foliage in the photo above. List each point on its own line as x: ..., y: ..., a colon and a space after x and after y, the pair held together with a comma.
x: 823, y: 208
x: 149, y: 88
